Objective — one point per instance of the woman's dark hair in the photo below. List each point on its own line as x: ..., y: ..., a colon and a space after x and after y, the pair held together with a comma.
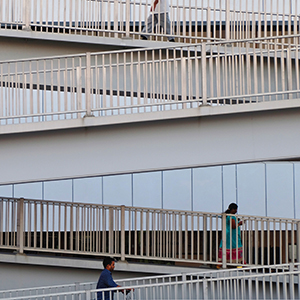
x: 107, y: 261
x: 230, y: 207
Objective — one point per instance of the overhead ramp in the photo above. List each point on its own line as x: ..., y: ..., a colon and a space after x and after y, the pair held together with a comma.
x: 130, y: 82
x: 191, y: 22
x: 280, y: 281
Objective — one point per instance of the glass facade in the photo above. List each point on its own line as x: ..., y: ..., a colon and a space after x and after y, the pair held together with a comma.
x: 263, y: 189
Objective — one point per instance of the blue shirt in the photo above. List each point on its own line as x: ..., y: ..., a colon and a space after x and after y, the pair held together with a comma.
x: 105, y: 281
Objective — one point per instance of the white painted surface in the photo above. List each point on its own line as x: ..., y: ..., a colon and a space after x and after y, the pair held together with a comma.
x: 22, y: 271
x: 178, y: 143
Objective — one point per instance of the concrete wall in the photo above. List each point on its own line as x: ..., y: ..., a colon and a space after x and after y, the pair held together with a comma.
x: 18, y: 48
x: 135, y: 147
x: 26, y: 271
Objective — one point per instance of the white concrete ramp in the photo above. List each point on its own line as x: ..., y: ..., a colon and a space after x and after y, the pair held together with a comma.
x: 166, y: 140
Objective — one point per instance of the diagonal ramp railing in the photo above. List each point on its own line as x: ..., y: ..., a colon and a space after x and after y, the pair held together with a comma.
x: 139, y: 281
x: 191, y: 21
x: 143, y: 233
x: 238, y: 285
x: 149, y: 80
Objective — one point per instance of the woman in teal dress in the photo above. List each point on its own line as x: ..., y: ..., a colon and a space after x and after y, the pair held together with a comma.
x: 234, y: 247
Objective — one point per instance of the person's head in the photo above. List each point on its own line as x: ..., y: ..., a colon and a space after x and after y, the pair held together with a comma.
x: 109, y: 263
x: 232, y: 208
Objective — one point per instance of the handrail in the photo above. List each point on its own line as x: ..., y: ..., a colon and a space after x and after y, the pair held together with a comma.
x: 222, y: 286
x: 192, y: 21
x: 142, y: 233
x: 149, y: 80
x: 206, y: 274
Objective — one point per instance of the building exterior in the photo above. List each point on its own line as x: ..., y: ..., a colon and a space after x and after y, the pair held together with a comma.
x: 92, y: 113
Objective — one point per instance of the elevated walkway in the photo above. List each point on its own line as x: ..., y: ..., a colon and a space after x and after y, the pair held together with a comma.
x: 142, y: 234
x: 190, y: 22
x: 191, y: 95
x: 156, y: 79
x: 247, y: 283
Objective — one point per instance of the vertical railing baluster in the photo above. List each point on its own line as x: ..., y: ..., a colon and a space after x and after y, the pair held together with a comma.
x: 20, y: 225
x: 256, y: 242
x: 127, y: 19
x: 227, y: 20
x: 88, y: 85
x: 35, y: 220
x: 180, y: 236
x: 186, y: 239
x: 111, y: 230
x: 205, y: 238
x: 26, y: 14
x: 204, y: 78
x: 298, y: 242
x: 79, y: 89
x: 224, y: 261
x: 183, y: 81
x: 147, y: 235
x: 71, y: 227
x: 41, y: 223
x: 123, y: 233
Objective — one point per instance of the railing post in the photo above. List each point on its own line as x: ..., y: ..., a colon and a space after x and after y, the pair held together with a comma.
x: 88, y: 85
x: 79, y: 88
x: 224, y: 261
x: 204, y: 81
x: 26, y: 14
x: 88, y: 295
x: 205, y: 238
x: 183, y: 276
x: 183, y: 80
x: 298, y: 242
x: 180, y: 236
x: 111, y: 230
x: 122, y: 233
x: 116, y: 17
x: 291, y: 281
x: 127, y: 19
x: 205, y: 289
x: 77, y: 288
x: 20, y: 225
x: 208, y: 26
x: 227, y: 20
x: 289, y: 71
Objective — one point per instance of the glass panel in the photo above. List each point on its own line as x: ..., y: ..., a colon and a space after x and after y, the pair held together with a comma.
x: 251, y: 189
x: 207, y: 189
x: 28, y: 190
x: 177, y: 189
x: 6, y: 190
x: 229, y: 185
x: 147, y: 190
x: 88, y: 190
x: 60, y: 190
x: 280, y: 202
x: 297, y: 190
x: 117, y: 190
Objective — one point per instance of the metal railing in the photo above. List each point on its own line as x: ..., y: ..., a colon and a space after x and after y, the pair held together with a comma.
x: 144, y: 234
x: 149, y: 80
x: 21, y: 292
x: 240, y: 285
x: 190, y: 20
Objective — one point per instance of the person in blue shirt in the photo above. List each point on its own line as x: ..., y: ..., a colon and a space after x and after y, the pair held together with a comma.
x: 106, y: 280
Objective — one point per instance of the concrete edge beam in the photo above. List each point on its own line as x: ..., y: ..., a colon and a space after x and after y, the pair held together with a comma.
x: 94, y: 264
x: 202, y: 111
